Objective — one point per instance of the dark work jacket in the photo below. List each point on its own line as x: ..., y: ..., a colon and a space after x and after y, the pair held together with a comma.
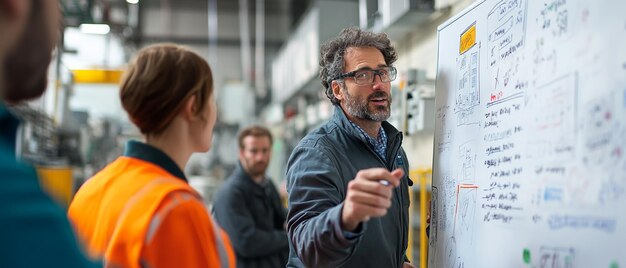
x: 254, y: 219
x: 318, y: 173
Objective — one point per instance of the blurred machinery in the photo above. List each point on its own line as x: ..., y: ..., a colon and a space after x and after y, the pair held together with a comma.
x: 39, y: 142
x: 419, y: 218
x: 66, y: 154
x: 413, y: 103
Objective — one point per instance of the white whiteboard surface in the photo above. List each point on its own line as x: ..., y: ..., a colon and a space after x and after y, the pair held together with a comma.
x: 530, y: 139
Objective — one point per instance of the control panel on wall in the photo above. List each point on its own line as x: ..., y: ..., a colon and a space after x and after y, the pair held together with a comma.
x: 420, y: 112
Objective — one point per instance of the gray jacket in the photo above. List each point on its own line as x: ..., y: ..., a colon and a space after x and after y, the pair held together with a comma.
x: 253, y: 217
x: 318, y: 173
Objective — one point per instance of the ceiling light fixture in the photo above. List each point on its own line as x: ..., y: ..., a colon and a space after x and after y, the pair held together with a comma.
x: 95, y: 28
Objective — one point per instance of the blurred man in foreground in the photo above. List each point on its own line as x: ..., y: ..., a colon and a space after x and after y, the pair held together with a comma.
x: 34, y: 230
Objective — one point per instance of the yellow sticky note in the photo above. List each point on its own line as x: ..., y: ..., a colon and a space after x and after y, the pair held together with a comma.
x: 468, y: 38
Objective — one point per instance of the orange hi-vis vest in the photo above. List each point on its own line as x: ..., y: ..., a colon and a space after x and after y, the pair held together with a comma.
x: 133, y: 213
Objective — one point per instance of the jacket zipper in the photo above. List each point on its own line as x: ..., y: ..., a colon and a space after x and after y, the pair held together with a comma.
x: 403, y: 224
x: 390, y: 165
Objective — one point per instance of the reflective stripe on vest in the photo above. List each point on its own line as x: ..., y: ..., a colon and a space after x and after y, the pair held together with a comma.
x: 131, y: 205
x: 158, y: 217
x: 221, y: 249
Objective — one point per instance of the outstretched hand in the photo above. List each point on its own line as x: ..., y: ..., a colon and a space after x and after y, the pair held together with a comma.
x: 369, y: 195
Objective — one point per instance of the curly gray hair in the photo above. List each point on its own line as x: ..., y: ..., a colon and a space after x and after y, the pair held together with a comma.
x: 333, y: 52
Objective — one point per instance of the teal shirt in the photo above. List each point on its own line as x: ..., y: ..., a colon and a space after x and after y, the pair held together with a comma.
x: 34, y: 231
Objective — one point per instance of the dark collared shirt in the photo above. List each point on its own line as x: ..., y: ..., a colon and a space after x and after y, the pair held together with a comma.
x: 153, y: 155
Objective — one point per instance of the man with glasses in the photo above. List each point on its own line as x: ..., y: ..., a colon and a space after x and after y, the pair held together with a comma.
x: 347, y: 180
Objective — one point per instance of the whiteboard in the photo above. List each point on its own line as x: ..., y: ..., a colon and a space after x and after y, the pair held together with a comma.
x: 530, y: 139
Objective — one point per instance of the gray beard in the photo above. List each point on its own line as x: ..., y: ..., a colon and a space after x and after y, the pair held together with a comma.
x: 358, y: 108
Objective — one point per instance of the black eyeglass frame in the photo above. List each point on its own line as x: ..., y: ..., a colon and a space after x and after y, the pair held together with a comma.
x: 375, y: 73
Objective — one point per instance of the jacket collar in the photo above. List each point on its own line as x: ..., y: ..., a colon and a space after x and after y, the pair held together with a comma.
x: 244, y: 179
x: 394, y: 136
x: 8, y: 131
x: 340, y: 118
x: 153, y: 155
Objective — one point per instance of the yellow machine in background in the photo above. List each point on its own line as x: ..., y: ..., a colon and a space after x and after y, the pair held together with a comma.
x: 421, y: 190
x: 58, y: 183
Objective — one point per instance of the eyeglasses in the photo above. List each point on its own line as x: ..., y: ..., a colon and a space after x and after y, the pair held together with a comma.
x: 367, y: 76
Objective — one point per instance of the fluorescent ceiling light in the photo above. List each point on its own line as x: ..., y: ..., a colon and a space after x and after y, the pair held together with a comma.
x: 132, y: 1
x: 95, y: 28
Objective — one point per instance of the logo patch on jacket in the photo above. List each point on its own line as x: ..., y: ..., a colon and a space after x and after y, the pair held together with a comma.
x: 400, y: 164
x: 399, y: 161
